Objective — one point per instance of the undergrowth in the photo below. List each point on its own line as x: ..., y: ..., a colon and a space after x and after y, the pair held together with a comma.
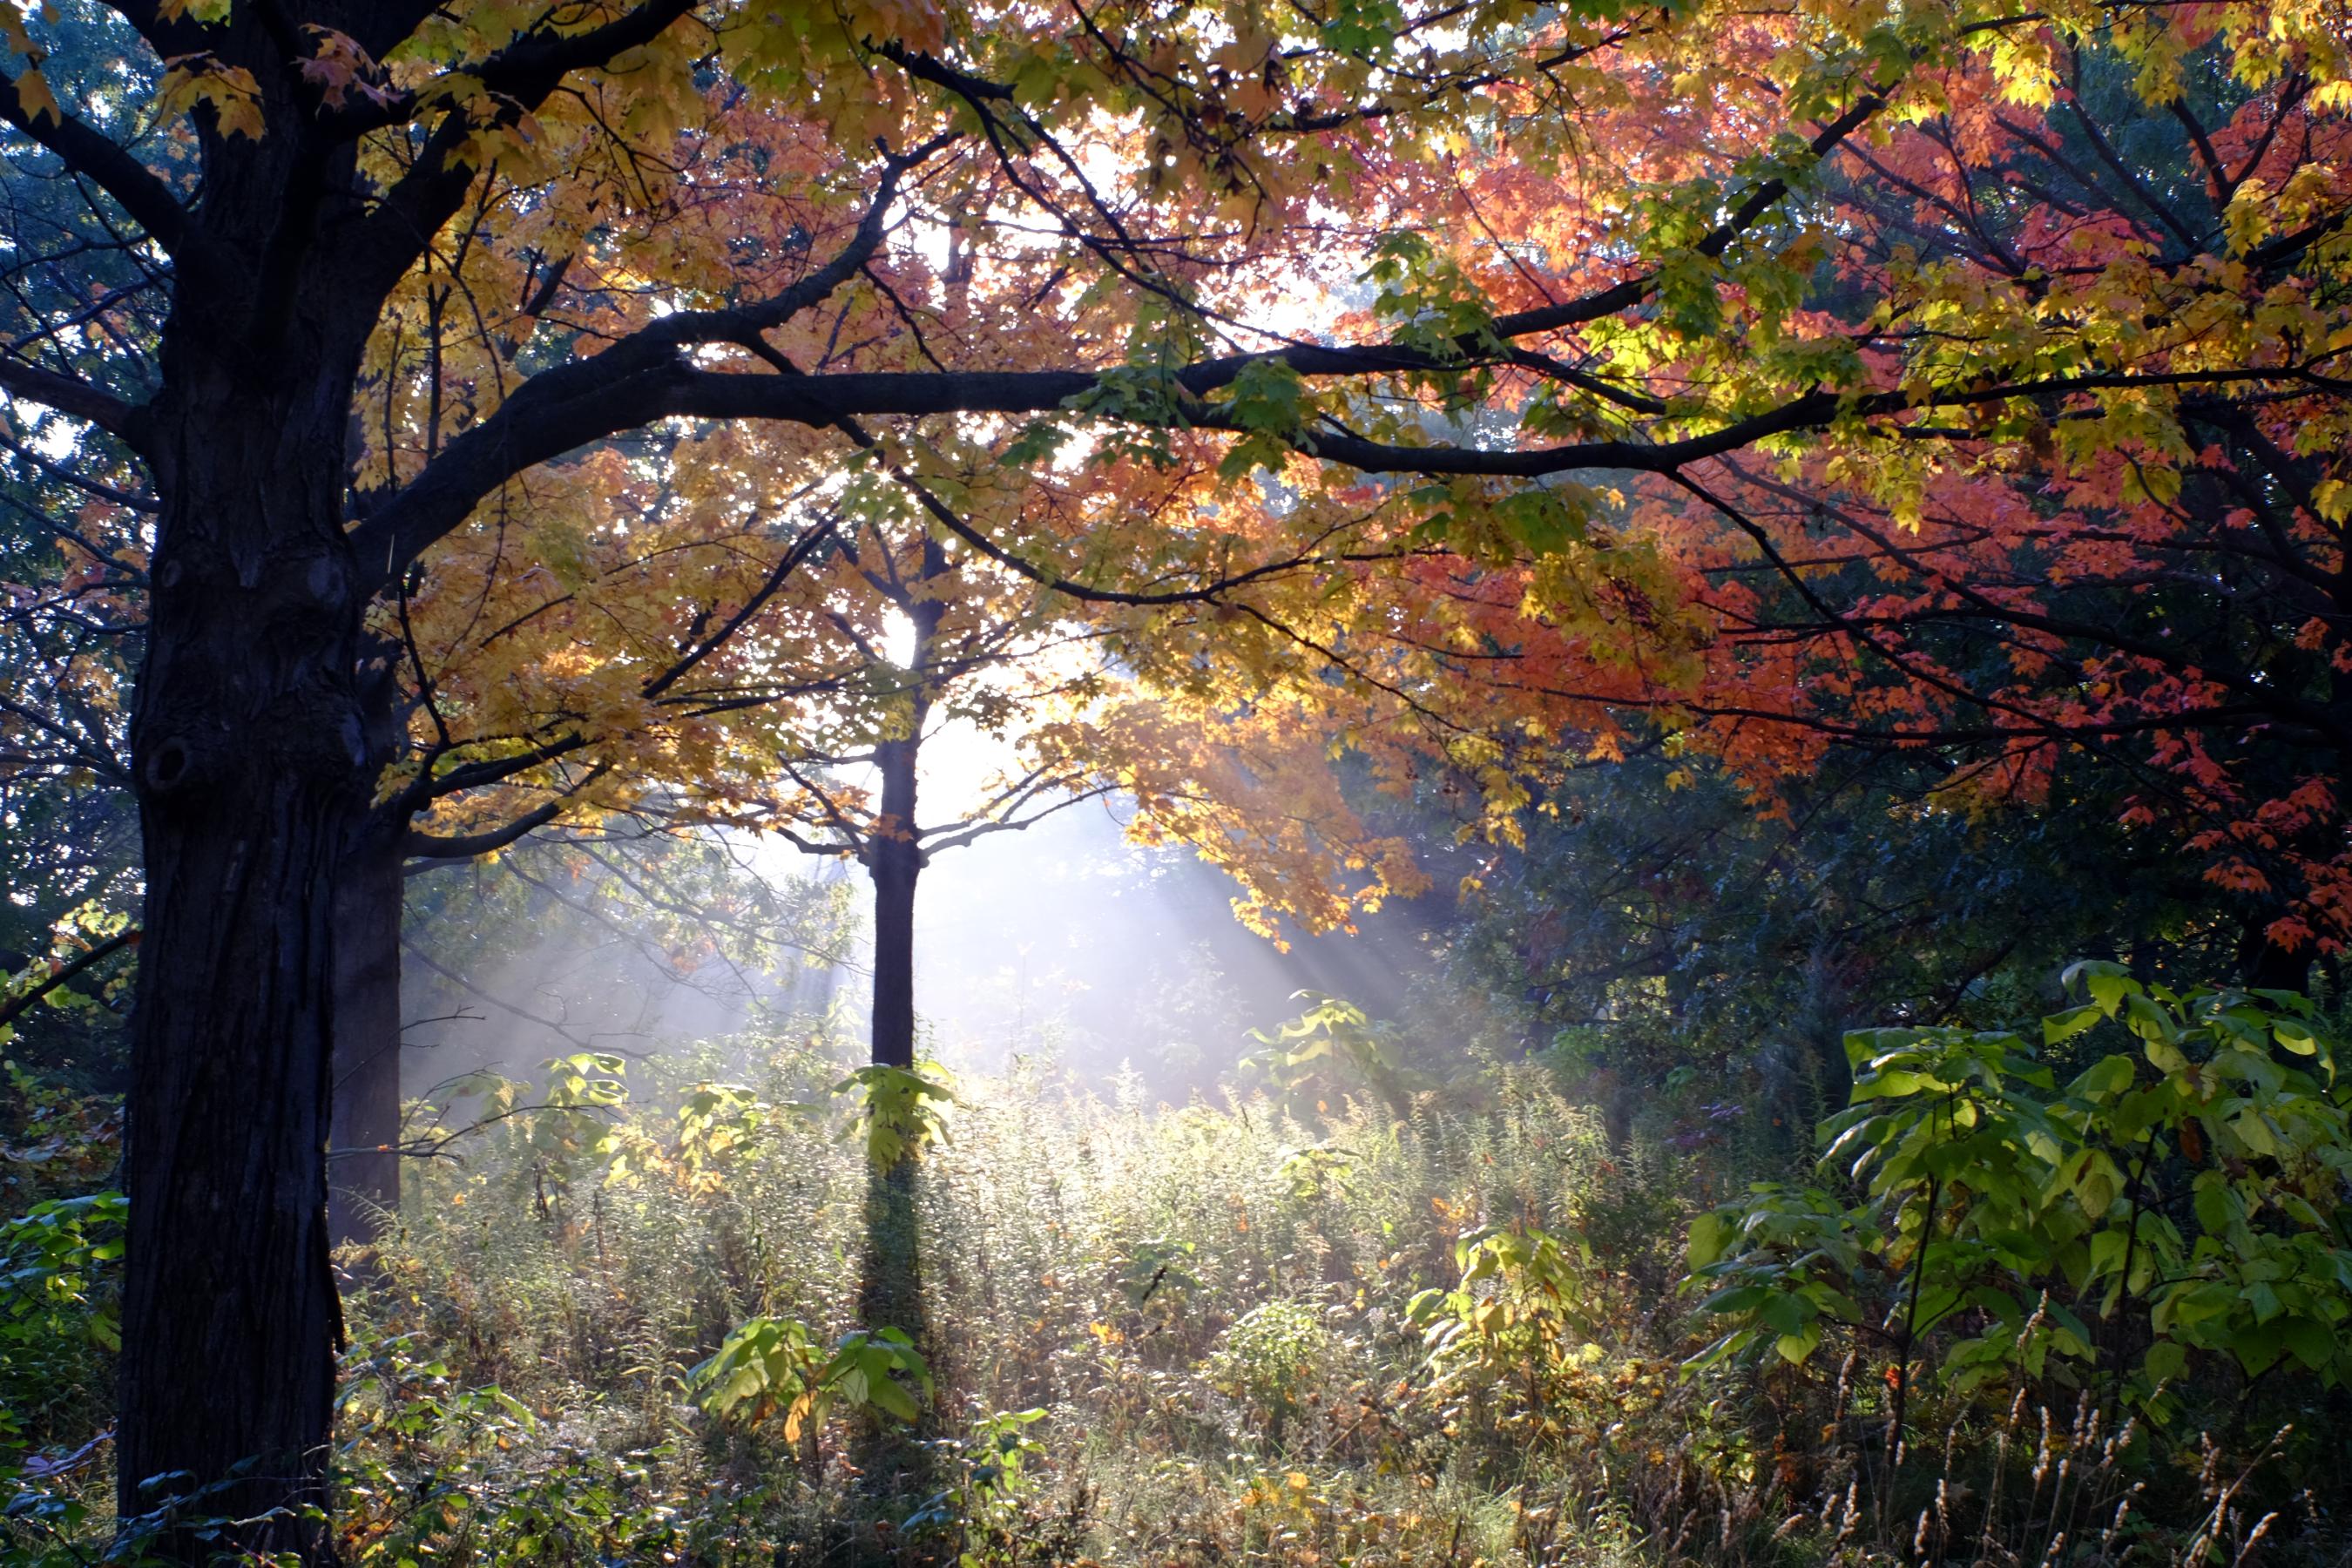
x: 1410, y: 1324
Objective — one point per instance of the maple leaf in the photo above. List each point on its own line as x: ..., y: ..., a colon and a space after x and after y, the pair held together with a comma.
x: 230, y: 91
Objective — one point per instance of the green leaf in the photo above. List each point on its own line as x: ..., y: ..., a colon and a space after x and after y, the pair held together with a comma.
x: 2105, y: 1078
x: 2164, y: 1361
x: 2312, y: 1343
x: 1736, y: 1299
x: 1544, y: 520
x: 2105, y: 982
x: 1709, y: 1234
x: 2060, y: 1027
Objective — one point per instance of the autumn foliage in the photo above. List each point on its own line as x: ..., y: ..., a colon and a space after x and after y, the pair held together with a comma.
x: 470, y: 418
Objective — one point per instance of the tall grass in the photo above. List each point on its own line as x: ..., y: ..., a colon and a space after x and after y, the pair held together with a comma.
x: 1228, y: 1332
x: 1207, y: 1305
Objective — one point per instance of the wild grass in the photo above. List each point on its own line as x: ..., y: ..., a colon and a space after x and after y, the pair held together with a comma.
x: 1432, y: 1325
x: 1182, y: 1335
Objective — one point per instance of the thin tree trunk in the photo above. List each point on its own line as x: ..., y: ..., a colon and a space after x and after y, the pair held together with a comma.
x: 890, y: 1293
x: 895, y: 862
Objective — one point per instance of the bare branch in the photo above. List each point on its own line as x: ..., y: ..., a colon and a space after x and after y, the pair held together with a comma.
x: 72, y: 397
x: 549, y: 1025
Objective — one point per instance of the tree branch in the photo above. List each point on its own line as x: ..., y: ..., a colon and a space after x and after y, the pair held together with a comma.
x: 15, y: 1005
x: 628, y: 384
x: 74, y: 397
x: 519, y: 78
x: 646, y: 377
x: 87, y: 152
x: 551, y: 1026
x: 428, y: 847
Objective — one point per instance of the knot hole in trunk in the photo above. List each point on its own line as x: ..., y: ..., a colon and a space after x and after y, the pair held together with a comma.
x: 167, y: 765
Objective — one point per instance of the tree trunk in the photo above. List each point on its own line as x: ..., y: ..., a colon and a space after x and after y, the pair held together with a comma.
x: 890, y: 1293
x: 363, y: 1164
x: 896, y: 860
x: 363, y: 1120
x: 249, y: 760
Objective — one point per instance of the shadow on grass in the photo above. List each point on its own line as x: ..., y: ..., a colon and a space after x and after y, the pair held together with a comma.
x: 896, y: 1460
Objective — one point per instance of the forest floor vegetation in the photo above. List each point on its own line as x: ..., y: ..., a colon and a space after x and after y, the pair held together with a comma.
x: 1363, y: 1321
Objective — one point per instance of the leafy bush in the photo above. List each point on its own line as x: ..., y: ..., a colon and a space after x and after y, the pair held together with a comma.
x: 772, y: 1364
x: 57, y: 1318
x: 2166, y: 1206
x: 1269, y: 1359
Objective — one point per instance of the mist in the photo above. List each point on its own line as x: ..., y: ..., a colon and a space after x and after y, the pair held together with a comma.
x: 1059, y: 943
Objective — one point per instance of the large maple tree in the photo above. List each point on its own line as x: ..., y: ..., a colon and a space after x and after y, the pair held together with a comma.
x: 1161, y: 212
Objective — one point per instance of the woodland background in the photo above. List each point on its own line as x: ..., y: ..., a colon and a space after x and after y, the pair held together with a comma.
x: 1171, y: 783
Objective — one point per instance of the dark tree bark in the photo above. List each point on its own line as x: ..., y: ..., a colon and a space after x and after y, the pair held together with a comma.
x: 248, y: 756
x: 895, y: 862
x: 890, y: 1286
x: 894, y: 856
x: 890, y: 1293
x: 251, y: 760
x: 364, y: 1162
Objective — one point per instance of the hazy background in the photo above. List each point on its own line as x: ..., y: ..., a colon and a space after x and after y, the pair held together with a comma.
x: 1060, y: 941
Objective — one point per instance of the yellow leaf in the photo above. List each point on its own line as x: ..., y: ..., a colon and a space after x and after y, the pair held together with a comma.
x: 2248, y: 219
x: 39, y: 102
x: 195, y: 80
